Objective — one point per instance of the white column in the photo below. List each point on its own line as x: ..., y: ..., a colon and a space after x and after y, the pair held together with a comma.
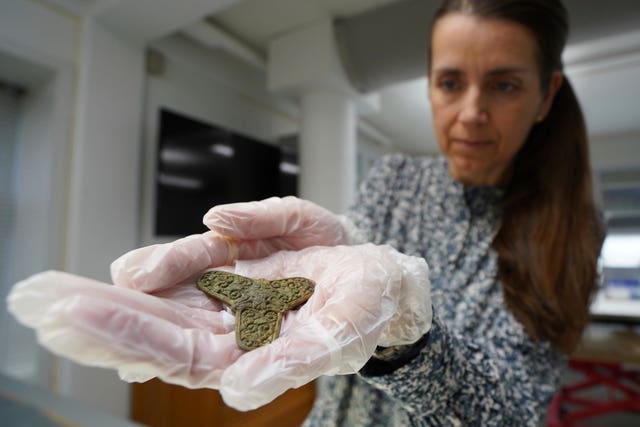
x: 305, y: 63
x: 328, y: 149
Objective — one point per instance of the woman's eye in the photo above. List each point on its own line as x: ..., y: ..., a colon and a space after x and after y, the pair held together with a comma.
x: 449, y: 85
x: 505, y: 87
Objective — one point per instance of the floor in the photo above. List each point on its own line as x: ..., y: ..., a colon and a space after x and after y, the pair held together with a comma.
x: 23, y: 405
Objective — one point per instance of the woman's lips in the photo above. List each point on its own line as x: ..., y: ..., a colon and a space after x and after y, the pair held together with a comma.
x: 470, y: 144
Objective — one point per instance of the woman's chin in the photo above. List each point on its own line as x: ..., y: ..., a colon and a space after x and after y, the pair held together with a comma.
x: 472, y: 173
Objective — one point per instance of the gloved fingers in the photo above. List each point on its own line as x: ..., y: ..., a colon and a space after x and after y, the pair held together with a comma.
x: 142, y: 346
x: 413, y: 320
x: 136, y: 333
x: 335, y: 332
x: 161, y: 266
x: 367, y: 290
x: 261, y: 248
x: 356, y: 287
x: 261, y: 375
x: 210, y: 356
x: 369, y: 286
x: 304, y: 352
x: 354, y: 274
x: 189, y: 295
x: 303, y: 223
x: 40, y: 299
x: 251, y: 230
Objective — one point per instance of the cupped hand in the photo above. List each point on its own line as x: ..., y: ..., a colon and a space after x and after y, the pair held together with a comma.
x: 365, y: 296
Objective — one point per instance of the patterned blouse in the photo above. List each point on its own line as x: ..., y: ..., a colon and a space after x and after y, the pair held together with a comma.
x: 476, y: 366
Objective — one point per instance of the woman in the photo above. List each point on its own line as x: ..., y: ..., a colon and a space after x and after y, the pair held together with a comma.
x: 504, y: 220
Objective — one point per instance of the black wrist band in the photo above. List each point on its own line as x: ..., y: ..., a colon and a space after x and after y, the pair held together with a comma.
x: 391, y: 360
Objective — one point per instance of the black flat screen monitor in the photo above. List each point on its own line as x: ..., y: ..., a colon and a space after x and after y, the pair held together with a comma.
x: 200, y: 165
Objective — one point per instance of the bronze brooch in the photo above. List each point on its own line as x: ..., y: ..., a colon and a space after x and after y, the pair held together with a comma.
x: 258, y: 304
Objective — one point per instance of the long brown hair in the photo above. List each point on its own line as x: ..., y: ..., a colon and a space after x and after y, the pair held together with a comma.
x: 550, y: 237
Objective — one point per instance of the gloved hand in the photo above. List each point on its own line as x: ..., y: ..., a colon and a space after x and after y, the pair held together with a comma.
x: 240, y: 231
x: 178, y: 334
x: 276, y: 224
x: 365, y: 296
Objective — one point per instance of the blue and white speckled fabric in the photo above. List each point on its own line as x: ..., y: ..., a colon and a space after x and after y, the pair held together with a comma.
x: 479, y: 367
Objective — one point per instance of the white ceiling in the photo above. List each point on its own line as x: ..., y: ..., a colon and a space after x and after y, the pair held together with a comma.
x: 609, y: 93
x: 257, y: 22
x: 608, y: 88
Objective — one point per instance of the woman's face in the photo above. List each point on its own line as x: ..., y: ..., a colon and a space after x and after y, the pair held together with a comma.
x: 485, y: 93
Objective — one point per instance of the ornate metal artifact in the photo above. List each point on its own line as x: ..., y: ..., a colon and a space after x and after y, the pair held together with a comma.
x: 258, y: 304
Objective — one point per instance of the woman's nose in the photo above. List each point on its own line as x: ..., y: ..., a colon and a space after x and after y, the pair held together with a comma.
x: 473, y: 109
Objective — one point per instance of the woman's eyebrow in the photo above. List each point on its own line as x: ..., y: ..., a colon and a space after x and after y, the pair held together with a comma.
x: 447, y: 70
x: 508, y: 70
x: 492, y: 72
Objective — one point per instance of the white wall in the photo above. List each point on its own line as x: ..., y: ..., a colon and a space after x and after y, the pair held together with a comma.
x: 616, y: 150
x: 77, y: 163
x: 104, y: 186
x: 54, y: 42
x: 43, y: 62
x: 37, y: 241
x: 105, y: 169
x: 604, y: 73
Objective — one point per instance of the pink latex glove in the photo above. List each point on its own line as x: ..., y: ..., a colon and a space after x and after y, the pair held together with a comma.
x: 179, y: 334
x: 239, y: 231
x: 365, y: 296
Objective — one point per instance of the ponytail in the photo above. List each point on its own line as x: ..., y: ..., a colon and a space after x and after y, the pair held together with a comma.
x: 551, y: 234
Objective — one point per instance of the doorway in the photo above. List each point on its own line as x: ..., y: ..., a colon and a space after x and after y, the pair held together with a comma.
x: 11, y: 96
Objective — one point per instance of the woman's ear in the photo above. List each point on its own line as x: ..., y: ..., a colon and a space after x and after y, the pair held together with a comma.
x: 554, y: 85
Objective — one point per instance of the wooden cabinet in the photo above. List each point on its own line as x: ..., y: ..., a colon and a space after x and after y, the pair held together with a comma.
x: 157, y: 404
